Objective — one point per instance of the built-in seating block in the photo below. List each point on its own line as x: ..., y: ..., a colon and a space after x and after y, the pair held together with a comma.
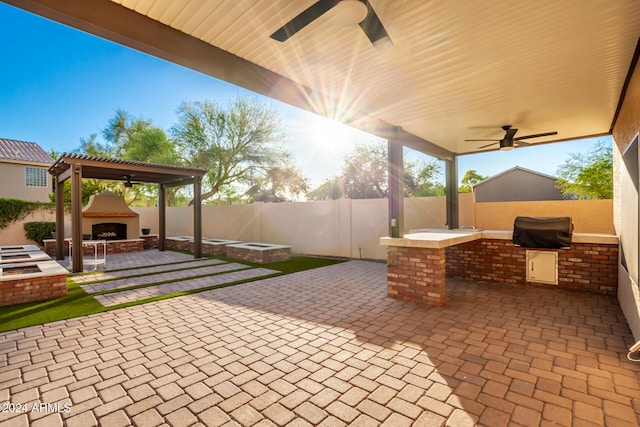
x: 28, y: 282
x: 259, y: 253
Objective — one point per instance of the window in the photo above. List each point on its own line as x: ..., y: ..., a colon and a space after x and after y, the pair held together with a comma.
x: 36, y: 177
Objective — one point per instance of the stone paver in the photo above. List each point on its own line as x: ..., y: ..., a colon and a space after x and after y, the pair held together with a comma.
x: 161, y: 276
x: 113, y: 275
x: 327, y: 347
x: 136, y: 260
x: 131, y: 295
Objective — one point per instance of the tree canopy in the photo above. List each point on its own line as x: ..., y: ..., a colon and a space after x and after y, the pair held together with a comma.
x: 240, y: 144
x: 470, y: 178
x: 589, y: 175
x: 365, y: 176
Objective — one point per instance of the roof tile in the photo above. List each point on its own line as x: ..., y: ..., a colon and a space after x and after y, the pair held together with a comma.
x: 11, y: 149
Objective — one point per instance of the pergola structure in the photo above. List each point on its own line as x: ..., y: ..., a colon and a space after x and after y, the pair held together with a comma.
x: 77, y: 166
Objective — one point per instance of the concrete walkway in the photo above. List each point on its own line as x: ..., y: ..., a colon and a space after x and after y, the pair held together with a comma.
x: 326, y: 347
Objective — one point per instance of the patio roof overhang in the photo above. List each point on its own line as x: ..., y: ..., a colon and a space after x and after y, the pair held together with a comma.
x: 78, y: 166
x: 452, y: 70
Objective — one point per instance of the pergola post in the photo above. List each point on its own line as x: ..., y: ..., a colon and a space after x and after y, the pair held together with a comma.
x: 162, y: 217
x: 76, y: 219
x: 197, y: 217
x: 453, y: 209
x: 396, y: 185
x: 59, y: 218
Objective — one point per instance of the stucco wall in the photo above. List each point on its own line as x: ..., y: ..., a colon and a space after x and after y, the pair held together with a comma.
x: 625, y: 129
x: 13, y: 234
x: 589, y: 216
x: 13, y: 184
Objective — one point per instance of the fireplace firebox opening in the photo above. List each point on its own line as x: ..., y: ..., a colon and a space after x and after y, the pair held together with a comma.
x: 109, y: 231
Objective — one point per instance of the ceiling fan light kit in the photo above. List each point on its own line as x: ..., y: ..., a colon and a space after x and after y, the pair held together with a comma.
x: 350, y: 12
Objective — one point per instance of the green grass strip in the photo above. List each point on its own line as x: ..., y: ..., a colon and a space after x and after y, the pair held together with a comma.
x: 78, y: 303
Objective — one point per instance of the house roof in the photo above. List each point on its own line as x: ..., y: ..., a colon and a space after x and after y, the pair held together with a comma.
x: 22, y: 151
x: 513, y: 169
x: 451, y: 71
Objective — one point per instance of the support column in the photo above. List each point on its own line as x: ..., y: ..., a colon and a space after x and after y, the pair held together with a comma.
x: 417, y: 275
x: 197, y: 217
x: 76, y: 219
x: 162, y: 217
x: 59, y: 219
x: 453, y: 209
x: 396, y: 186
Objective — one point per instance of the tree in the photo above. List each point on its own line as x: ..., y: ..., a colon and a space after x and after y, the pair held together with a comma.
x: 331, y: 189
x: 89, y: 188
x: 365, y: 172
x: 281, y: 182
x: 365, y: 176
x: 470, y: 178
x: 588, y: 176
x: 133, y: 138
x: 420, y: 179
x: 239, y: 144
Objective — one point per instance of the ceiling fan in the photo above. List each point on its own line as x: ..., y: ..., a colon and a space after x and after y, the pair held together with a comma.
x: 351, y: 12
x: 126, y: 179
x: 509, y: 142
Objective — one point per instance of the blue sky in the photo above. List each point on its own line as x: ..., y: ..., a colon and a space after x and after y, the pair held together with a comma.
x: 60, y: 85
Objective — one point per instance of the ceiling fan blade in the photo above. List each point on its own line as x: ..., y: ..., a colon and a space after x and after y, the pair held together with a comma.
x: 521, y: 143
x: 489, y: 145
x: 510, y: 133
x: 372, y: 26
x: 303, y: 19
x: 481, y: 140
x: 538, y: 135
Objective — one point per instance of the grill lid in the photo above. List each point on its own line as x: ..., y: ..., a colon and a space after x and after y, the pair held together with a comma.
x: 543, y: 232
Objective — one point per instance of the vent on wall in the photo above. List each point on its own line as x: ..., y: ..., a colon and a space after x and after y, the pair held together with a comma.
x: 542, y: 267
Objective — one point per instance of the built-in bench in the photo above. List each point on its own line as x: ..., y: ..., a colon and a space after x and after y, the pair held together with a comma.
x: 181, y: 243
x: 259, y: 253
x: 217, y: 247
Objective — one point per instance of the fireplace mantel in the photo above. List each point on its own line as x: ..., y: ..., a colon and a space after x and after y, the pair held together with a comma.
x: 109, y: 214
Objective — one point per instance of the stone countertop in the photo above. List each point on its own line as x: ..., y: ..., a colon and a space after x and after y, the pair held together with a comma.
x: 441, y: 238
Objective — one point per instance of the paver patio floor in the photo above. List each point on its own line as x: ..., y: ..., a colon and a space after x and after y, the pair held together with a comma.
x: 326, y: 347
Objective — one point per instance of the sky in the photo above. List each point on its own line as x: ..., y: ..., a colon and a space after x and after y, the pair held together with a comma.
x: 59, y: 85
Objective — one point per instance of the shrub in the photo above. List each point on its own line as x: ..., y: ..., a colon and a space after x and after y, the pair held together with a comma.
x: 12, y: 210
x: 39, y: 230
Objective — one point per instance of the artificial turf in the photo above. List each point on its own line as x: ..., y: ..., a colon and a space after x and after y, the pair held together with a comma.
x: 78, y: 303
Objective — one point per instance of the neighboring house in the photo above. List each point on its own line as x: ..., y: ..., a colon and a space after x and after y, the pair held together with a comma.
x: 23, y: 171
x: 517, y: 184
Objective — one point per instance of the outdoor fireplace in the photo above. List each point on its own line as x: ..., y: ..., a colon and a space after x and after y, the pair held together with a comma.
x: 107, y: 217
x: 109, y: 231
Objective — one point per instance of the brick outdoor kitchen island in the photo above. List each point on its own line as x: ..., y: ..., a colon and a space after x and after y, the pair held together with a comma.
x: 419, y: 263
